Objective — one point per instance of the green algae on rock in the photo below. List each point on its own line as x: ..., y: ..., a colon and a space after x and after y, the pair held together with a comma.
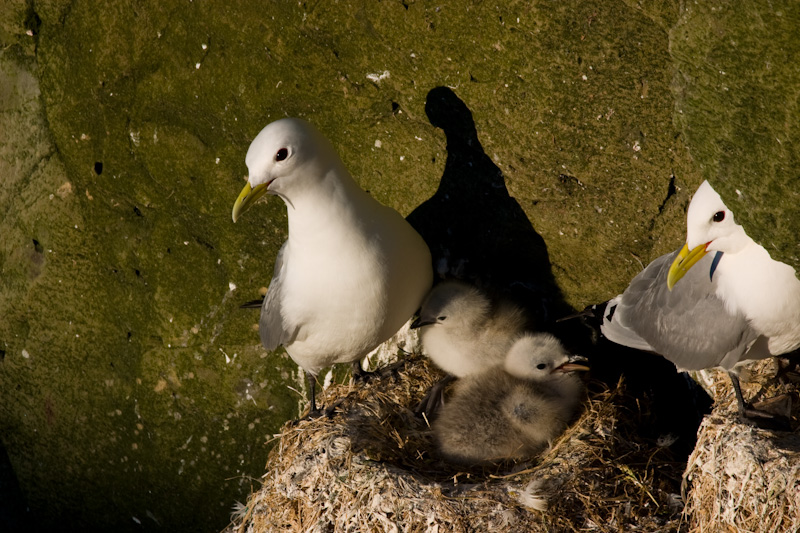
x: 130, y: 375
x: 736, y: 100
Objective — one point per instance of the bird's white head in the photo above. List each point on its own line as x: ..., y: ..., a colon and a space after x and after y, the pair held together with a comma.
x: 710, y: 227
x: 455, y: 306
x: 285, y: 153
x: 710, y: 222
x: 540, y: 357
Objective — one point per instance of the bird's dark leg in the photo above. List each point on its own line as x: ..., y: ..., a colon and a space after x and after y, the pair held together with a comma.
x: 313, y: 412
x: 359, y: 374
x: 737, y: 389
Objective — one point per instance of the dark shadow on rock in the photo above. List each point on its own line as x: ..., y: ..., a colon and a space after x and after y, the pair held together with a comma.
x: 14, y: 516
x: 476, y: 231
x: 668, y: 405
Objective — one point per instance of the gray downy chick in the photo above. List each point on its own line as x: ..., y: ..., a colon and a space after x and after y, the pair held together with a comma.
x: 514, y: 410
x: 463, y: 331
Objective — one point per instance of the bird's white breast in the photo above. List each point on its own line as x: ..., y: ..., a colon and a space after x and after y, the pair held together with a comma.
x: 767, y: 292
x: 451, y: 353
x: 353, y: 279
x: 333, y: 296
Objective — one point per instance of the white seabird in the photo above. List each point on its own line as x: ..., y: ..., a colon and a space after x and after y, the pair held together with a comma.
x: 737, y: 304
x: 514, y: 410
x: 352, y: 270
x: 463, y: 331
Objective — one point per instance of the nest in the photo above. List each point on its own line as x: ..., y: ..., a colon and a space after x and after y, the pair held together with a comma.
x: 374, y: 467
x: 740, y: 477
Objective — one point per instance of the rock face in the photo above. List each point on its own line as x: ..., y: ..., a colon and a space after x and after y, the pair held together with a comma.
x: 127, y: 372
x: 737, y: 89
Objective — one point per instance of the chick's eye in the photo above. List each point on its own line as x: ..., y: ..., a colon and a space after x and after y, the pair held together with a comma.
x: 541, y: 366
x: 441, y: 318
x: 282, y: 154
x: 719, y: 216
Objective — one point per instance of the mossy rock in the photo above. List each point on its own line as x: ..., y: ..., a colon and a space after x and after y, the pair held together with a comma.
x: 737, y: 87
x: 135, y: 393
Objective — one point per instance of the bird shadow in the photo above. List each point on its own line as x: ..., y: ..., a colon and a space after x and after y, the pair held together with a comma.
x: 479, y: 233
x: 475, y: 230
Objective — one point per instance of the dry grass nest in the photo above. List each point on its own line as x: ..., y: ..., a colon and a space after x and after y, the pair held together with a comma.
x: 373, y: 467
x: 740, y: 477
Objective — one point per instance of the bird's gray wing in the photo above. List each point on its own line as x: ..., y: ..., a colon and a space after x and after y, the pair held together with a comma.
x: 271, y: 326
x: 689, y: 325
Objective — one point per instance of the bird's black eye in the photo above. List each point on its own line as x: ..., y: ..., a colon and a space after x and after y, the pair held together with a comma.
x: 719, y: 216
x: 441, y: 318
x: 282, y: 154
x: 541, y: 366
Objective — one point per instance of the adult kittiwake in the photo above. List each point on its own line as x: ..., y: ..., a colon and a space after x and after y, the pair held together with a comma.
x: 352, y: 270
x: 718, y: 301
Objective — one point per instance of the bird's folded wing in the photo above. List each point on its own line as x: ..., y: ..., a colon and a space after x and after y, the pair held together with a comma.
x: 689, y: 325
x: 271, y: 326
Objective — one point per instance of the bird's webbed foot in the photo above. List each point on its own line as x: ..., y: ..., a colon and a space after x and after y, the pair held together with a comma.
x: 764, y: 419
x: 327, y: 412
x: 362, y: 376
x: 310, y: 415
x: 757, y: 417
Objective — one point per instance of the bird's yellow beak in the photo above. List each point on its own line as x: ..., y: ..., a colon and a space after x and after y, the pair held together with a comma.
x: 248, y: 197
x: 683, y: 262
